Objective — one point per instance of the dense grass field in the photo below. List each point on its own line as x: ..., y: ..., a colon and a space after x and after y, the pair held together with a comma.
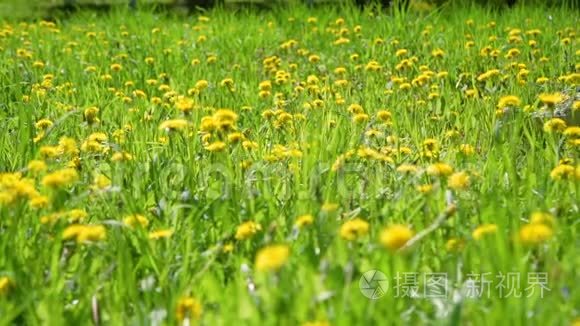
x: 249, y: 167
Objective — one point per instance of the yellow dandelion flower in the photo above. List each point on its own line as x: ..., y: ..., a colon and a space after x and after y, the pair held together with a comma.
x: 39, y: 202
x: 225, y: 115
x: 101, y: 182
x: 217, y: 146
x: 160, y: 234
x: 329, y: 207
x: 551, y: 99
x: 184, y: 104
x: 36, y: 166
x: 509, y: 101
x: 407, y: 168
x: 249, y: 145
x: 116, y: 67
x: 6, y: 285
x: 188, y: 308
x: 210, y: 59
x: 175, y: 124
x: 354, y: 229
x: 564, y: 172
x: 60, y: 178
x: 84, y: 233
x: 91, y: 115
x: 121, y: 156
x: 136, y: 220
x: 396, y: 236
x: 304, y: 220
x: 439, y: 169
x: 272, y: 257
x: 467, y: 149
x: 431, y: 145
x: 235, y: 137
x: 313, y: 58
x: 341, y: 40
x: 438, y: 53
x: 76, y: 215
x: 247, y: 230
x: 425, y: 189
x: 228, y: 247
x: 201, y: 84
x: 43, y: 124
x: 572, y: 132
x: 340, y: 70
x: 484, y: 230
x: 455, y: 244
x: 555, y: 125
x: 384, y: 115
x: 488, y: 75
x: 360, y: 118
x: 355, y: 109
x: 401, y: 52
x: 535, y: 233
x: 542, y: 218
x: 227, y: 82
x: 459, y: 181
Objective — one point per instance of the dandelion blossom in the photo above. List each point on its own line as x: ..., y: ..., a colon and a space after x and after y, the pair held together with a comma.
x: 84, y: 233
x: 459, y: 181
x: 535, y: 233
x: 217, y: 146
x: 509, y: 101
x: 272, y: 258
x: 175, y: 124
x: 329, y: 207
x: 484, y: 230
x: 454, y: 245
x: 247, y: 229
x: 564, y: 172
x: 439, y: 169
x: 354, y: 229
x: 551, y: 99
x: 304, y: 220
x: 60, y: 178
x: 555, y: 125
x: 396, y: 236
x: 136, y: 220
x: 160, y: 234
x: 407, y: 169
x: 572, y: 132
x: 6, y: 285
x: 36, y: 166
x: 542, y: 218
x: 188, y: 308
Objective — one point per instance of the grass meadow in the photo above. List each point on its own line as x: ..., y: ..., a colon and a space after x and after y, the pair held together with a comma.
x: 247, y: 166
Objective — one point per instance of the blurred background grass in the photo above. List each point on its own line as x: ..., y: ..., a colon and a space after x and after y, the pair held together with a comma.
x: 15, y: 9
x: 19, y: 8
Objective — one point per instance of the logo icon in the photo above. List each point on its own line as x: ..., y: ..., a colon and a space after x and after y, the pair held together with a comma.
x: 373, y: 284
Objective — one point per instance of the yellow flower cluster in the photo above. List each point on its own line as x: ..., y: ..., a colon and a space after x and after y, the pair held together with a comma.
x: 247, y: 229
x: 272, y: 258
x: 82, y: 233
x: 354, y: 229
